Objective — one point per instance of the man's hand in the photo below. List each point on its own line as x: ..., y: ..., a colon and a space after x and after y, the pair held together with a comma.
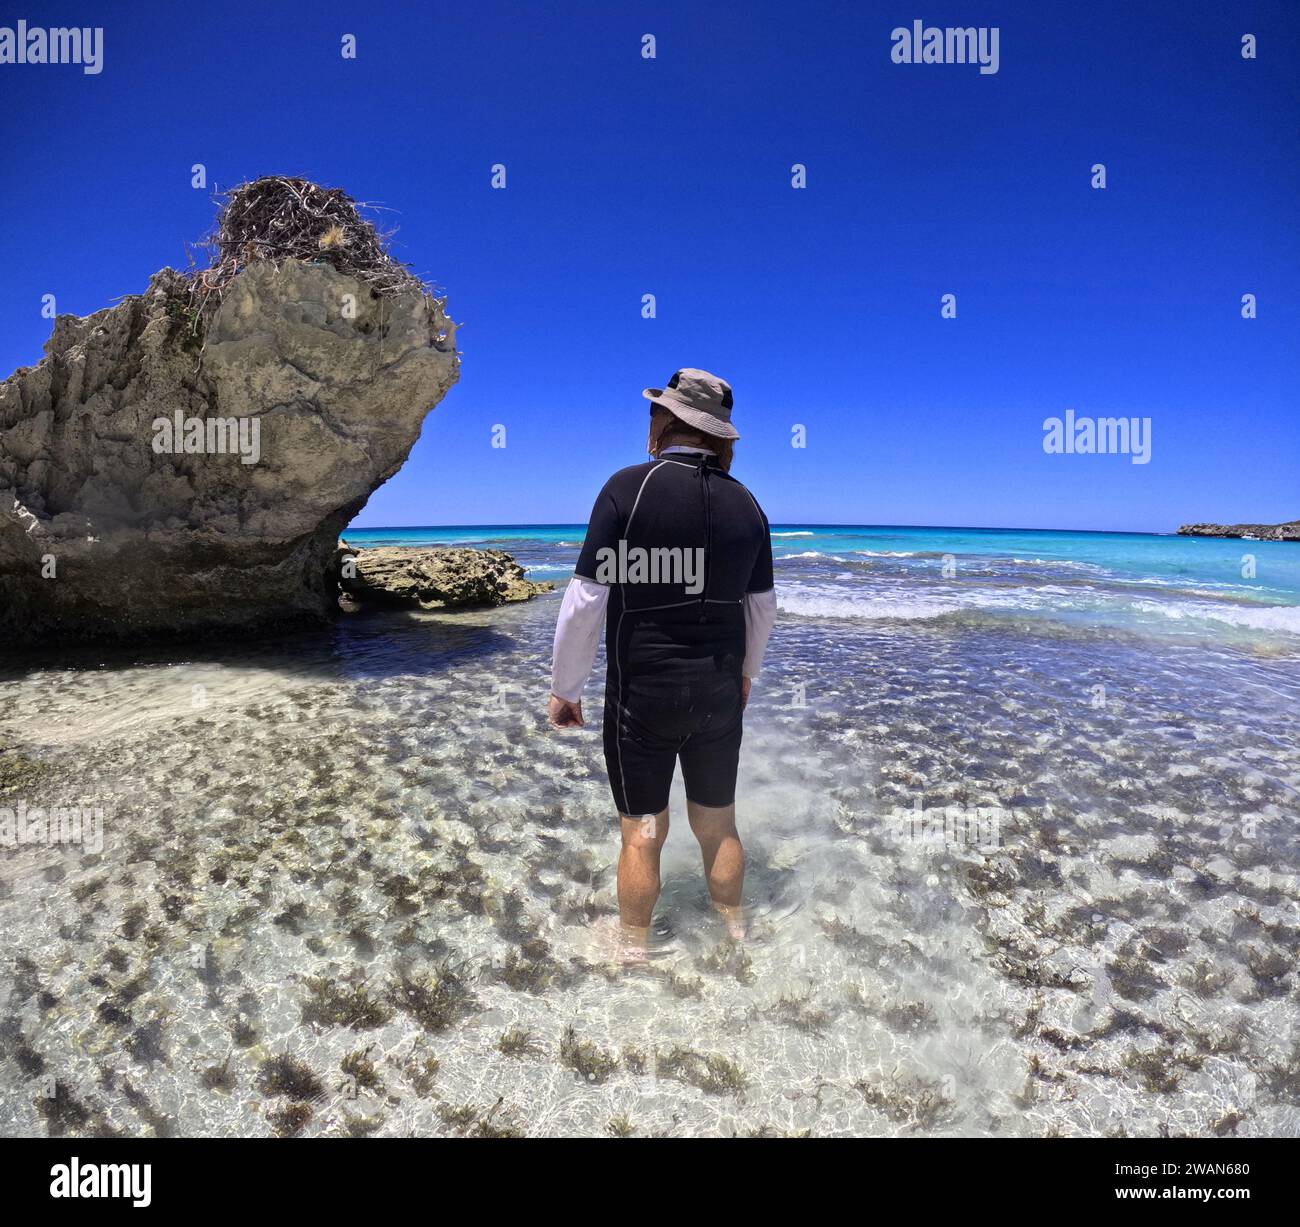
x: 744, y: 693
x: 565, y: 715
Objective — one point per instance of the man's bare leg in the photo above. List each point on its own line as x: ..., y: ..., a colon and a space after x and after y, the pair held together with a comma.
x: 638, y: 874
x: 724, y: 860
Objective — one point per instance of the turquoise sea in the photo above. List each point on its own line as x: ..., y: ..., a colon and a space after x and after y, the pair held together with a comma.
x: 1147, y: 584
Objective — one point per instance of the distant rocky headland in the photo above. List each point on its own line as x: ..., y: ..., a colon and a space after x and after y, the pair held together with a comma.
x: 182, y: 463
x: 1290, y: 531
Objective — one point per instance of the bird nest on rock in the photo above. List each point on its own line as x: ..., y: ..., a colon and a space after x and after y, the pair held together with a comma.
x: 277, y: 218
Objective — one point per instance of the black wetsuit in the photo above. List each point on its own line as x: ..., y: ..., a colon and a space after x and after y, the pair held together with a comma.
x: 672, y: 690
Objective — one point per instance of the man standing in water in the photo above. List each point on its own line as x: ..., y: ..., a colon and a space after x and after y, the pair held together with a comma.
x: 677, y: 562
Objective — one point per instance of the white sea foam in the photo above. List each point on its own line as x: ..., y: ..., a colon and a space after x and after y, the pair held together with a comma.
x: 1283, y: 619
x: 864, y: 601
x: 825, y: 601
x: 861, y: 601
x: 799, y: 534
x: 1065, y: 563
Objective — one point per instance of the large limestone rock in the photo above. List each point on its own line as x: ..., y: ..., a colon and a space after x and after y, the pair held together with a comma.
x: 102, y: 535
x: 439, y: 577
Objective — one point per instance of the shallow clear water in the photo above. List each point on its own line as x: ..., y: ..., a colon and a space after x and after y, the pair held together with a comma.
x: 368, y: 842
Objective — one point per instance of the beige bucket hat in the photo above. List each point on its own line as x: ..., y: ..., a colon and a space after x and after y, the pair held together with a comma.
x: 699, y: 399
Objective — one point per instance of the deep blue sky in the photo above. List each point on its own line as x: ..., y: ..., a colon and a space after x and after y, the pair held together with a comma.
x: 672, y: 177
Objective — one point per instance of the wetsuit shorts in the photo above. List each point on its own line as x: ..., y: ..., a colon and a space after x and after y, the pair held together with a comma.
x: 663, y: 720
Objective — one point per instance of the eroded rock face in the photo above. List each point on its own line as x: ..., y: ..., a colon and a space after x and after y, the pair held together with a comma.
x: 102, y: 535
x: 436, y: 578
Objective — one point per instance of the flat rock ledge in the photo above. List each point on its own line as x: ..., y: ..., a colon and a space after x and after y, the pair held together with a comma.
x: 1289, y: 531
x: 439, y: 577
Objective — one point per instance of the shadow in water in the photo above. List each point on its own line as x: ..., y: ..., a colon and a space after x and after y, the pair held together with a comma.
x: 374, y: 645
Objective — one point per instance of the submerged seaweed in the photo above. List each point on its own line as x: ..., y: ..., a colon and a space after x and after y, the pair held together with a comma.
x: 343, y: 1005
x: 435, y: 1001
x: 585, y: 1058
x: 286, y: 1075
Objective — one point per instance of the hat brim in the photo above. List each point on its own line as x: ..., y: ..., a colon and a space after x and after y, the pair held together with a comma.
x: 698, y: 418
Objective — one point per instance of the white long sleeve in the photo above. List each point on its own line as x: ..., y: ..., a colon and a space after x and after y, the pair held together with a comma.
x: 760, y: 616
x: 577, y: 636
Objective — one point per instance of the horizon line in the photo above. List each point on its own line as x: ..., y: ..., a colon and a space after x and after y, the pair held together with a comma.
x: 987, y: 528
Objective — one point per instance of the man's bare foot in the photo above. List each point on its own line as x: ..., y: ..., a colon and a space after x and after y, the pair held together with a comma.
x: 634, y: 944
x: 734, y: 919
